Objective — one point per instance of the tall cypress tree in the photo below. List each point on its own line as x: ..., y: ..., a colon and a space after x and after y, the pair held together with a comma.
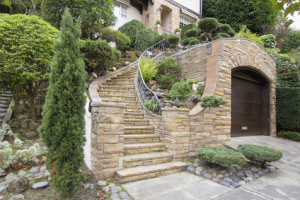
x: 62, y: 129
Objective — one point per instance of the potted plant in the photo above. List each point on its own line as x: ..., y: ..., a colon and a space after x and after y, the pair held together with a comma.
x: 177, y: 31
x: 158, y: 23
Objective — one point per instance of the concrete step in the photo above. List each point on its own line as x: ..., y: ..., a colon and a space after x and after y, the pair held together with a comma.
x: 2, y: 115
x: 151, y: 171
x: 4, y: 99
x: 138, y: 130
x: 130, y: 149
x: 128, y: 115
x: 141, y: 138
x: 146, y: 159
x: 4, y: 106
x: 136, y: 122
x: 3, y: 110
x: 4, y: 102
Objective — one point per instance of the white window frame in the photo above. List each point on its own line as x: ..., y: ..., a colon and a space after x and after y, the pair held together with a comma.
x: 184, y: 20
x: 121, y: 16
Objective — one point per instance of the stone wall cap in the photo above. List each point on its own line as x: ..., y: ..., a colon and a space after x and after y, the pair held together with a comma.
x: 196, y: 110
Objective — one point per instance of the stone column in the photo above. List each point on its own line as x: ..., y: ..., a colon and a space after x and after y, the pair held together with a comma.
x: 176, y: 132
x: 107, y: 139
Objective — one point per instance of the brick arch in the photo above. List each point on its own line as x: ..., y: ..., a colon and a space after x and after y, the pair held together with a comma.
x: 228, y: 54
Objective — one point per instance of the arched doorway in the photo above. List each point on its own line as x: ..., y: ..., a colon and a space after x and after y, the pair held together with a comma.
x: 249, y: 103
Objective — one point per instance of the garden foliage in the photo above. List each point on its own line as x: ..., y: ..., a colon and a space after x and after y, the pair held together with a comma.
x: 110, y: 35
x: 269, y: 41
x: 63, y: 124
x: 287, y: 73
x: 180, y: 89
x: 186, y: 28
x: 132, y: 27
x: 159, y: 38
x: 99, y: 55
x: 166, y: 70
x: 92, y: 13
x: 148, y: 68
x: 260, y: 154
x: 173, y: 40
x: 246, y: 33
x: 212, y: 101
x: 26, y: 50
x: 220, y: 155
x: 151, y: 105
x: 290, y: 134
x: 252, y: 13
x: 288, y: 108
x: 291, y: 42
x: 145, y: 38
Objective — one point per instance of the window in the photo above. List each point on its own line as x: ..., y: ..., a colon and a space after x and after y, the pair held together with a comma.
x: 184, y: 20
x: 120, y: 12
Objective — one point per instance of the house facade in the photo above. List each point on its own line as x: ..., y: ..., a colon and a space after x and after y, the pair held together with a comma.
x: 173, y: 13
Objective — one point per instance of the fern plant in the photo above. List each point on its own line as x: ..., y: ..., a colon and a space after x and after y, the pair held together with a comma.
x: 148, y: 68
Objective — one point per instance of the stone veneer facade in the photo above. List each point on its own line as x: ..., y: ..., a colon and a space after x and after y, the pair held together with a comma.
x: 183, y: 130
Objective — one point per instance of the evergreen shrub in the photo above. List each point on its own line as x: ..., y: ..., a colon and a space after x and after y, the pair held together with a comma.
x: 173, y: 40
x: 224, y: 35
x: 290, y: 134
x: 132, y: 27
x: 291, y: 42
x: 159, y: 38
x: 99, y: 55
x: 191, y: 33
x: 158, y: 21
x: 288, y: 108
x: 144, y: 39
x: 220, y: 156
x: 269, y: 41
x: 166, y: 79
x: 186, y: 28
x: 260, y: 154
x: 212, y: 101
x: 177, y: 30
x: 208, y: 25
x: 246, y: 33
x: 148, y: 68
x: 63, y: 124
x: 194, y: 41
x: 166, y: 70
x: 224, y: 28
x: 180, y: 89
x: 187, y: 41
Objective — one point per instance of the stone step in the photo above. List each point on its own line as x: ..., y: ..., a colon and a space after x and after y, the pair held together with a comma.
x: 118, y: 93
x: 123, y: 78
x: 128, y: 103
x: 4, y: 106
x: 116, y: 98
x: 146, y: 159
x: 4, y: 99
x: 136, y: 122
x: 111, y: 86
x: 141, y: 138
x: 113, y: 89
x: 132, y: 109
x: 3, y: 110
x: 128, y: 115
x: 130, y: 149
x: 2, y: 115
x: 151, y: 171
x: 4, y: 102
x: 138, y: 130
x: 117, y: 82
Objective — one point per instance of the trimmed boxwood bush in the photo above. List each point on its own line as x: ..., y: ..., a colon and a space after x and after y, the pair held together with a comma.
x: 186, y: 28
x: 288, y: 108
x: 144, y: 39
x: 224, y: 28
x: 260, y: 154
x: 173, y: 40
x: 290, y: 134
x: 220, y: 155
x: 132, y: 27
x: 191, y: 33
x: 161, y: 37
x: 187, y: 41
x: 208, y: 25
x: 194, y: 41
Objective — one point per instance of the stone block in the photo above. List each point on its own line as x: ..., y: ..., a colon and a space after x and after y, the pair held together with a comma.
x: 114, y: 148
x: 108, y: 139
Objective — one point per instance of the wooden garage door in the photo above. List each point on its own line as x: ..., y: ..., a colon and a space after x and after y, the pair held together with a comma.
x: 249, y: 104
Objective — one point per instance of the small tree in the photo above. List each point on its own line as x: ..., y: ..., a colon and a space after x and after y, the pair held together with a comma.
x: 91, y: 13
x: 63, y: 124
x: 26, y: 50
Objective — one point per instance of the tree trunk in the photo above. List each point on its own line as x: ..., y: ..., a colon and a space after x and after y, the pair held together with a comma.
x: 32, y: 110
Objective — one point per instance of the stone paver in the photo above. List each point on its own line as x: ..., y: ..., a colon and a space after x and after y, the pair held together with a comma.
x: 283, y: 184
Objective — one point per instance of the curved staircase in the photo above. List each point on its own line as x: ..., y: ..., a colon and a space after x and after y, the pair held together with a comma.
x: 5, y: 99
x: 144, y: 155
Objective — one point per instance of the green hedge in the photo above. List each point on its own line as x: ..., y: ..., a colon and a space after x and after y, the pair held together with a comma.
x: 290, y: 134
x: 288, y: 108
x: 186, y: 28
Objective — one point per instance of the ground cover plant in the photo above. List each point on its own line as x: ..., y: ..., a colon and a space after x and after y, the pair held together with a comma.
x: 63, y: 114
x: 260, y: 154
x: 212, y: 101
x: 290, y: 135
x: 220, y: 156
x: 26, y: 50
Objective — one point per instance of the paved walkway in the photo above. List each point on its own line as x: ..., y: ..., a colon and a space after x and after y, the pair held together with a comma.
x: 283, y: 184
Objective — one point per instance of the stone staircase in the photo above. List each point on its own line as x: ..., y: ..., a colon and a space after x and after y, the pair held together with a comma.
x: 5, y: 98
x: 144, y: 155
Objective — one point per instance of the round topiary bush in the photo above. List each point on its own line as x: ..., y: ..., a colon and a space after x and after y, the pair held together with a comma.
x: 132, y: 27
x: 224, y: 35
x: 194, y: 41
x: 220, y: 156
x: 224, y: 28
x: 260, y: 154
x: 208, y: 25
x: 191, y: 33
x: 186, y: 28
x: 144, y: 39
x: 187, y: 41
x: 231, y: 32
x: 173, y: 40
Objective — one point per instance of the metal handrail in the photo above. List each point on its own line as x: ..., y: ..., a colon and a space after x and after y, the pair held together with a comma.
x: 145, y: 92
